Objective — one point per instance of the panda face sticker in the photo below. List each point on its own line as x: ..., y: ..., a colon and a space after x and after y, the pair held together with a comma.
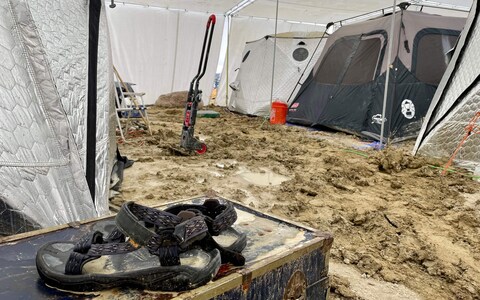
x: 408, y: 109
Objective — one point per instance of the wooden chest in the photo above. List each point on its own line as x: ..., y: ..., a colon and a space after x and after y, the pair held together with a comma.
x: 284, y: 261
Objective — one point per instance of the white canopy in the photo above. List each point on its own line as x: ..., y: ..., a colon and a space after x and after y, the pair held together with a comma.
x: 157, y: 43
x: 315, y: 11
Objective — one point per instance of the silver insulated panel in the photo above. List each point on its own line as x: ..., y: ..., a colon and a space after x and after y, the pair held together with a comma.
x: 43, y: 87
x: 42, y: 181
x: 456, y: 101
x: 63, y: 26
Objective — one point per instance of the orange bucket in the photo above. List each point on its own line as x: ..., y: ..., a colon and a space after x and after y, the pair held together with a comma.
x: 278, y: 114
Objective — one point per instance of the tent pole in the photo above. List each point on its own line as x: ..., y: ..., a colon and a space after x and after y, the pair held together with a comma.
x: 176, y: 50
x: 389, y: 58
x: 229, y: 18
x: 274, y: 54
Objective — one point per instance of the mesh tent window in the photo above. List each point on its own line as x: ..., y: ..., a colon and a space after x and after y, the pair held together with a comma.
x: 332, y: 65
x: 351, y: 60
x: 364, y: 63
x: 430, y: 48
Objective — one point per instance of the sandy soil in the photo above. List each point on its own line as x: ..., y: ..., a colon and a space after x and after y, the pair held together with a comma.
x: 401, y: 230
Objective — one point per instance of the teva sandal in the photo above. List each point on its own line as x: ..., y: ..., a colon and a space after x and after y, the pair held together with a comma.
x: 133, y: 255
x: 225, y: 217
x: 219, y: 217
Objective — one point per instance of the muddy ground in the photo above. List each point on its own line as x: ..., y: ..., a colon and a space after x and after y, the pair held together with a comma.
x: 401, y: 229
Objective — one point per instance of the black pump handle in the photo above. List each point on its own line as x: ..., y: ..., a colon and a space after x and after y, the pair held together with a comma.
x: 202, y: 67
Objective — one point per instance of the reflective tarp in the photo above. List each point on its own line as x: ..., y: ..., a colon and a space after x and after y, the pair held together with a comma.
x: 43, y: 84
x: 63, y: 28
x: 456, y: 102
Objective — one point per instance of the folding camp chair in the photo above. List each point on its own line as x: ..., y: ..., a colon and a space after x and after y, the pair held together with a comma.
x: 129, y: 104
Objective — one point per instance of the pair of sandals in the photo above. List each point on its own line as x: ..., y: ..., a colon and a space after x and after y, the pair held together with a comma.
x: 177, y: 249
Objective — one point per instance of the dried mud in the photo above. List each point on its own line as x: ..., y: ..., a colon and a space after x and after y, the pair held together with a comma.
x: 395, y: 219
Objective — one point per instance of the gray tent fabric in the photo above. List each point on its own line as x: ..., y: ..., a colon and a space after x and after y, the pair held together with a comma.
x: 43, y: 85
x: 346, y: 87
x: 456, y: 102
x: 252, y: 86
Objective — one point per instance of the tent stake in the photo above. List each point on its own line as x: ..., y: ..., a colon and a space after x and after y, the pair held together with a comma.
x: 385, y: 95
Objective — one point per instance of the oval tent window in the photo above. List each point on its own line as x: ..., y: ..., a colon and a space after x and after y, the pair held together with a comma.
x: 300, y: 54
x: 246, y: 56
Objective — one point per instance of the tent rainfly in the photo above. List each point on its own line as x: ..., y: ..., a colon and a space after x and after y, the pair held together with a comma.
x: 50, y: 51
x: 456, y: 102
x: 345, y: 90
x: 295, y: 55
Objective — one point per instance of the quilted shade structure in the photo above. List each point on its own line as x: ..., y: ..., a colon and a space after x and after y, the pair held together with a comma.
x: 453, y: 114
x: 43, y: 88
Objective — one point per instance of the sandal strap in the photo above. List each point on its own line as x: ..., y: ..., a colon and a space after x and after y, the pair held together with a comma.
x: 87, y: 241
x: 79, y: 256
x: 224, y: 218
x: 110, y: 249
x: 76, y: 261
x: 184, y: 232
x: 228, y: 256
x: 218, y: 216
x: 91, y: 247
x: 153, y: 216
x: 166, y: 247
x: 116, y: 236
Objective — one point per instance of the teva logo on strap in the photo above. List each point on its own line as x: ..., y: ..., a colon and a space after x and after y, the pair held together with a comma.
x: 377, y: 119
x: 408, y: 109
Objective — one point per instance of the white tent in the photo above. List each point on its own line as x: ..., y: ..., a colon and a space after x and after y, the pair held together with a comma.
x: 296, y: 54
x: 456, y: 102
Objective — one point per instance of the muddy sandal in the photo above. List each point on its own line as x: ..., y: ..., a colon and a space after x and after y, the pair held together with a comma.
x: 133, y: 255
x: 219, y: 218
